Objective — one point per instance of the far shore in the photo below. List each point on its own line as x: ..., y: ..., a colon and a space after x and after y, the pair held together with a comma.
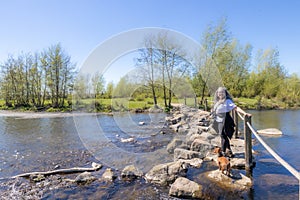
x: 33, y: 114
x: 45, y: 114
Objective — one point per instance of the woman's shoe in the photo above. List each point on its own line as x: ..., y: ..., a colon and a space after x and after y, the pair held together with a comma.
x: 221, y: 154
x: 230, y: 154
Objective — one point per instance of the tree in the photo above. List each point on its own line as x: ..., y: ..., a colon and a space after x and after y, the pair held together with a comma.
x: 271, y: 72
x: 124, y: 89
x: 160, y: 63
x: 289, y: 91
x: 171, y: 62
x: 81, y: 87
x: 109, y: 90
x: 146, y: 62
x: 60, y: 74
x: 214, y: 42
x: 28, y: 80
x: 98, y: 84
x: 222, y: 61
x: 233, y: 64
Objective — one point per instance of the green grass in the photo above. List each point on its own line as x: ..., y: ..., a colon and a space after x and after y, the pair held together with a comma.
x: 125, y: 104
x: 260, y: 103
x: 246, y: 103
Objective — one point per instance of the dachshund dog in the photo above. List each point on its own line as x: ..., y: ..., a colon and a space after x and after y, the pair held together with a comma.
x: 223, y: 162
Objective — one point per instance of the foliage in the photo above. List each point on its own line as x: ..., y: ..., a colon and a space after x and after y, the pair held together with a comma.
x: 30, y: 80
x: 48, y: 80
x: 162, y: 66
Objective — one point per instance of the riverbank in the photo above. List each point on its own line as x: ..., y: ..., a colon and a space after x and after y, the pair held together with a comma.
x: 42, y: 114
x: 138, y: 105
x: 265, y: 104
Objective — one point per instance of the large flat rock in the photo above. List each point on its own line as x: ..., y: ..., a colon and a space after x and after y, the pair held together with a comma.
x: 270, y: 132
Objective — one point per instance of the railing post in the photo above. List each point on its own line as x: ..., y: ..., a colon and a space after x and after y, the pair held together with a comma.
x: 248, y: 146
x: 236, y: 122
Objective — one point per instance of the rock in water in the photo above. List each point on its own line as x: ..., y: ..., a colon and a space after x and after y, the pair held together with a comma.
x: 109, y: 175
x: 184, y: 187
x: 164, y: 174
x: 131, y: 172
x: 96, y: 165
x: 84, y: 178
x: 270, y: 131
x: 127, y: 140
x: 235, y: 181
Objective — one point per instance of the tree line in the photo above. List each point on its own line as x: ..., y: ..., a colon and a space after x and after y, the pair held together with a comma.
x: 32, y: 79
x: 163, y: 70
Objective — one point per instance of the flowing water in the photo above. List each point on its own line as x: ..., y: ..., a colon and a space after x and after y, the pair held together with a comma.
x: 41, y: 144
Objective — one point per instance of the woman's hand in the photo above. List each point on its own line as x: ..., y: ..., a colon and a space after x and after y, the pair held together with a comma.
x: 238, y: 109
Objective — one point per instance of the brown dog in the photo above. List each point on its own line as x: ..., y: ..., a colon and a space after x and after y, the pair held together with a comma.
x: 224, y: 163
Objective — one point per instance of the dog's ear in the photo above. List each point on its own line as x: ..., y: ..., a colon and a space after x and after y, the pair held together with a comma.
x: 217, y: 149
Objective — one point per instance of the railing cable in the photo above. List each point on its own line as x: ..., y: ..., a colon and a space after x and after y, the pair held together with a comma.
x: 274, y: 154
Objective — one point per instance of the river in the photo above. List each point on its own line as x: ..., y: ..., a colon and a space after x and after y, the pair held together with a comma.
x: 272, y: 180
x: 44, y: 143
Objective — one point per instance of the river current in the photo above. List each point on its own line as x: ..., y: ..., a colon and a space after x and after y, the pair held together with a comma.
x: 44, y: 143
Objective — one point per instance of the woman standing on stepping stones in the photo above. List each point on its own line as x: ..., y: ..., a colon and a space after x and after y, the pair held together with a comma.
x: 223, y: 104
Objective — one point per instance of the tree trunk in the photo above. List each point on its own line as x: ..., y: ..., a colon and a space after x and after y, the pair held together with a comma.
x: 153, y: 94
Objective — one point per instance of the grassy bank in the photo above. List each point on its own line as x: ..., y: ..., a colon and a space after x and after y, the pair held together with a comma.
x: 139, y: 105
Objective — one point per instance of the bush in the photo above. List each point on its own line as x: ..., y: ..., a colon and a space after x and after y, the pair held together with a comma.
x: 150, y: 102
x: 53, y: 109
x: 99, y: 106
x: 140, y: 98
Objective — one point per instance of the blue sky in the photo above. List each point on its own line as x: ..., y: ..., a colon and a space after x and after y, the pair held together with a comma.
x: 80, y: 26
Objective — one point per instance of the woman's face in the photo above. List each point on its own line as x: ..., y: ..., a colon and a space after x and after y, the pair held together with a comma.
x: 221, y: 94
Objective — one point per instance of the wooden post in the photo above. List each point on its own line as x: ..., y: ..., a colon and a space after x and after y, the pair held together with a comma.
x: 184, y: 100
x: 236, y: 122
x: 205, y: 105
x: 195, y: 101
x: 248, y: 146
